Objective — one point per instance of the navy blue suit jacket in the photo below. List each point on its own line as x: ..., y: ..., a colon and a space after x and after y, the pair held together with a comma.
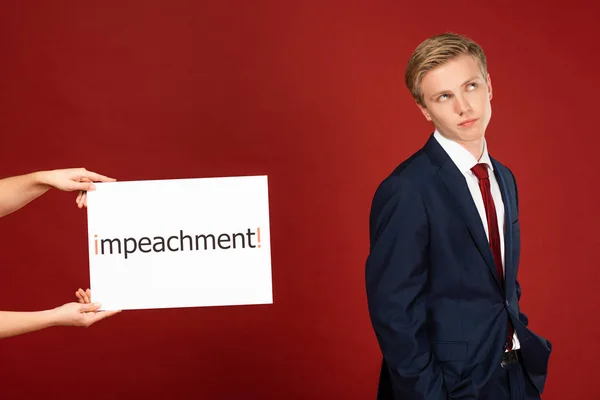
x: 438, y: 310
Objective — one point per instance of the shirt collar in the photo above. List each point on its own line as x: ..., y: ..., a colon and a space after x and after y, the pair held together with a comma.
x: 461, y: 157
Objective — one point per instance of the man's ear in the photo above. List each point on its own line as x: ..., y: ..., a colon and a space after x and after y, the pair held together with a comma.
x: 424, y: 111
x: 489, y: 85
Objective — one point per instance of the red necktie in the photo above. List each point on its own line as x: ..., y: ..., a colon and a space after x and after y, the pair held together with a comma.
x: 481, y: 172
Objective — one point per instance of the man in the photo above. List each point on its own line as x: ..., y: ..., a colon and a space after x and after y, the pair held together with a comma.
x: 441, y: 276
x: 15, y: 193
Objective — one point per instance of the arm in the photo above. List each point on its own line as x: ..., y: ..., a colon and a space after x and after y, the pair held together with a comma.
x: 70, y: 314
x: 522, y: 316
x: 396, y: 276
x: 18, y: 323
x: 18, y: 191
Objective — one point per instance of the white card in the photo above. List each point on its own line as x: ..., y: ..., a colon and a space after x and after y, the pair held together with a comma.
x: 180, y: 243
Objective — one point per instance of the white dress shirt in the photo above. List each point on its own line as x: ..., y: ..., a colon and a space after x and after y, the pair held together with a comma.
x: 464, y: 161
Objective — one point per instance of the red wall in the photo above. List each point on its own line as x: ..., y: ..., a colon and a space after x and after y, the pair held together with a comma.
x: 312, y: 94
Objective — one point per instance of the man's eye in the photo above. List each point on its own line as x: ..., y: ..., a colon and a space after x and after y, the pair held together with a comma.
x: 472, y: 85
x: 443, y: 97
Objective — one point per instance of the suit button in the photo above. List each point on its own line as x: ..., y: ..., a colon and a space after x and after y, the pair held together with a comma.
x: 507, y: 303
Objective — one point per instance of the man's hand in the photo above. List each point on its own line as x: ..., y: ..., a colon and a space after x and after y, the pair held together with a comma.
x: 74, y: 179
x: 84, y: 296
x: 83, y: 313
x: 18, y: 191
x: 77, y: 314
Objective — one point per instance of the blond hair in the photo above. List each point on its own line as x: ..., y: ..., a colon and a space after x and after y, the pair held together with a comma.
x: 436, y: 51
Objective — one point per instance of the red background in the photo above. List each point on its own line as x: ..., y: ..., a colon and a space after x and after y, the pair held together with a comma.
x: 311, y: 94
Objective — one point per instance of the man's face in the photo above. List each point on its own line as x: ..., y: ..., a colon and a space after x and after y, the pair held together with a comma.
x: 457, y: 99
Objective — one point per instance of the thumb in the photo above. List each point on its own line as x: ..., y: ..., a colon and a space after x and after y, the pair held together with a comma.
x: 89, y: 307
x: 85, y: 186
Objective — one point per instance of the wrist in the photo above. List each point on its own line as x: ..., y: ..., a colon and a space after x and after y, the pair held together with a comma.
x: 41, y: 178
x: 51, y: 317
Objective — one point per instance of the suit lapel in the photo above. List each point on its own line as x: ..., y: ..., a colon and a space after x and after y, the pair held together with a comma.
x: 508, y: 269
x: 455, y: 183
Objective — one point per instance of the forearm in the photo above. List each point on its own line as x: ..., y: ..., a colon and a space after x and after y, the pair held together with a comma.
x: 18, y: 191
x: 17, y: 323
x: 396, y: 281
x: 413, y: 370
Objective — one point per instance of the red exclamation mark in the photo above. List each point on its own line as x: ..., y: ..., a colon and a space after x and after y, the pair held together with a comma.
x: 96, y: 243
x: 258, y: 235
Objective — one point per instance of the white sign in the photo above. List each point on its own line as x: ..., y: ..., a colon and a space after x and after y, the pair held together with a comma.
x: 180, y: 243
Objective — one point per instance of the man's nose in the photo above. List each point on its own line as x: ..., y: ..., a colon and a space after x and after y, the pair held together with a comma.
x: 462, y: 105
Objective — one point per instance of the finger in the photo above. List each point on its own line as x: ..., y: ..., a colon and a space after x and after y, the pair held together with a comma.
x: 83, y: 200
x: 87, y: 296
x: 97, y: 177
x: 89, y: 307
x: 83, y: 186
x: 79, y: 297
x: 82, y: 296
x: 74, y: 184
x: 109, y: 313
x: 98, y: 316
x: 78, y: 197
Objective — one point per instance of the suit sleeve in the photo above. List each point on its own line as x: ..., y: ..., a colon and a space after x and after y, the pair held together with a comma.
x: 396, y: 277
x: 522, y: 316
